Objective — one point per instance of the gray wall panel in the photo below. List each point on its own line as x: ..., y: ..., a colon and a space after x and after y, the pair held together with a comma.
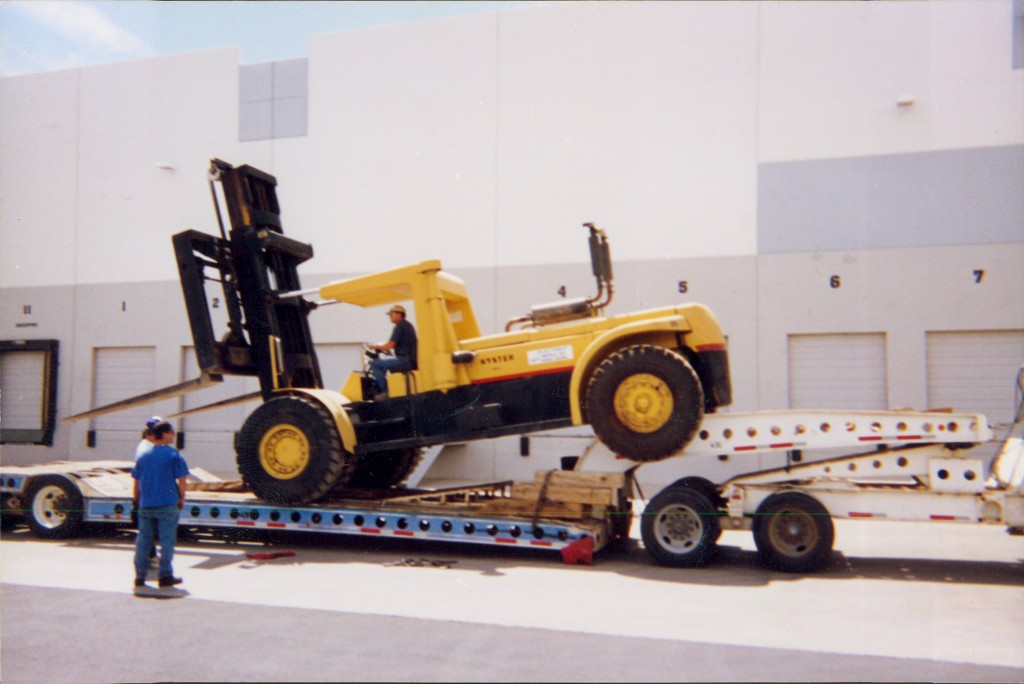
x: 951, y: 197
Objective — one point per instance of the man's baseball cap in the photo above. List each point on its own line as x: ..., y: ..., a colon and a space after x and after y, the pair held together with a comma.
x: 151, y: 423
x: 397, y: 308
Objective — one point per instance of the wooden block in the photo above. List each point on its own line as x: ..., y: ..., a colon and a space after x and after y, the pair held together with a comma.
x: 523, y: 507
x: 231, y: 486
x: 584, y: 495
x: 574, y: 479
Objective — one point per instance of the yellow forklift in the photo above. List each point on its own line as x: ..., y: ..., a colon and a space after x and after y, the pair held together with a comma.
x: 642, y: 380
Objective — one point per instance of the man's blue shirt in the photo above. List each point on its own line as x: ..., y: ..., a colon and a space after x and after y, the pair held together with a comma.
x: 157, y: 469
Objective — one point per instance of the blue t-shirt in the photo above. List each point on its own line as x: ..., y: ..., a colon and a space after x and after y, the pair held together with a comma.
x: 157, y: 469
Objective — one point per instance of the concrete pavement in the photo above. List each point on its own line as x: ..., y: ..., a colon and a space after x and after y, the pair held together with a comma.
x: 900, y: 601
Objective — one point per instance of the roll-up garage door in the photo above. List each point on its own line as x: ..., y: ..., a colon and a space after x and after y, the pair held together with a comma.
x: 975, y: 371
x: 841, y: 371
x: 21, y: 390
x: 28, y: 391
x: 121, y: 373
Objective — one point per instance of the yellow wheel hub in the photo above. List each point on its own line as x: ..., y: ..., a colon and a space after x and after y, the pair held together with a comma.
x: 643, y: 403
x: 284, y: 452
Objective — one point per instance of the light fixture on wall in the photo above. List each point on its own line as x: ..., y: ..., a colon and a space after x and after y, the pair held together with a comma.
x: 166, y: 166
x: 905, y: 101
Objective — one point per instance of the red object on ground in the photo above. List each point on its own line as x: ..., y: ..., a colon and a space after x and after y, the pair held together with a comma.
x: 579, y: 552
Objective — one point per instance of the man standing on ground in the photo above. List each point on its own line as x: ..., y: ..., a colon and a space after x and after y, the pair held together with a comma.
x: 403, y: 342
x: 146, y: 443
x: 159, y: 494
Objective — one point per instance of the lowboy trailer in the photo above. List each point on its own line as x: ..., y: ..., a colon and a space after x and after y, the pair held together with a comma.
x: 575, y: 514
x: 894, y: 465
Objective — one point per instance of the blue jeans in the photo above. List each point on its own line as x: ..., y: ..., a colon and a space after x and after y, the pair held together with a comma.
x: 380, y: 367
x: 156, y: 523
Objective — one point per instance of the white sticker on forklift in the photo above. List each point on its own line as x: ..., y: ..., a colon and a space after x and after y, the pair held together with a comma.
x: 539, y: 356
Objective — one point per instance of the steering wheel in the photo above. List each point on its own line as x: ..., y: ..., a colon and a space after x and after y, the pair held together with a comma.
x: 371, y: 353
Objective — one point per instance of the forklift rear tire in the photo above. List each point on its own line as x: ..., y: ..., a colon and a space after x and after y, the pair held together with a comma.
x: 55, y: 508
x: 289, y: 452
x: 645, y: 403
x: 793, y: 533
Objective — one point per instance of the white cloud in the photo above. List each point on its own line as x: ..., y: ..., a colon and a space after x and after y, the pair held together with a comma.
x: 83, y: 23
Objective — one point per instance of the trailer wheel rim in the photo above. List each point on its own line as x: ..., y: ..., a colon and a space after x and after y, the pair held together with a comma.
x: 49, y: 507
x: 284, y: 452
x: 793, y: 532
x: 678, y: 528
x: 643, y: 403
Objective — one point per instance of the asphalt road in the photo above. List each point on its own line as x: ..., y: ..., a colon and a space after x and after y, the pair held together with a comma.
x: 900, y: 601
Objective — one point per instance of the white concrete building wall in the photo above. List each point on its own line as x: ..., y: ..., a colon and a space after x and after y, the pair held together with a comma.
x: 133, y: 116
x: 38, y: 180
x: 82, y: 198
x: 499, y: 133
x: 417, y: 167
x: 832, y: 74
x: 640, y: 117
x: 486, y: 141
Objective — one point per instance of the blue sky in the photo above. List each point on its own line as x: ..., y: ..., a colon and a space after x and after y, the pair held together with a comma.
x: 44, y: 35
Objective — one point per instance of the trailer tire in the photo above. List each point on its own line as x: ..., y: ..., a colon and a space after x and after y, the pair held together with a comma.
x: 645, y: 402
x: 55, y: 507
x: 289, y: 451
x: 384, y: 469
x: 708, y: 489
x: 679, y: 528
x: 793, y: 533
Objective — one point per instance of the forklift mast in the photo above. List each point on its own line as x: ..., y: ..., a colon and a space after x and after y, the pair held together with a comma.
x: 267, y: 336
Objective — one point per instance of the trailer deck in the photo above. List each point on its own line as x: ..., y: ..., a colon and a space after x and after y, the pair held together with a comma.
x: 56, y: 499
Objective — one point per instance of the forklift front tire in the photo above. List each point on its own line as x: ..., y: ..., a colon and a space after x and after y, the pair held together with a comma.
x: 289, y: 451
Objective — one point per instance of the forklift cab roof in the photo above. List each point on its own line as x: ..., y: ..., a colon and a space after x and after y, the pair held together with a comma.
x: 419, y: 283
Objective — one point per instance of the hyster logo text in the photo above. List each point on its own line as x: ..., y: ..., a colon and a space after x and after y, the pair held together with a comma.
x: 496, y: 359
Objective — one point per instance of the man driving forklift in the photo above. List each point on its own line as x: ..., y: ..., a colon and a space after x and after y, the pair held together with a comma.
x: 402, y: 343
